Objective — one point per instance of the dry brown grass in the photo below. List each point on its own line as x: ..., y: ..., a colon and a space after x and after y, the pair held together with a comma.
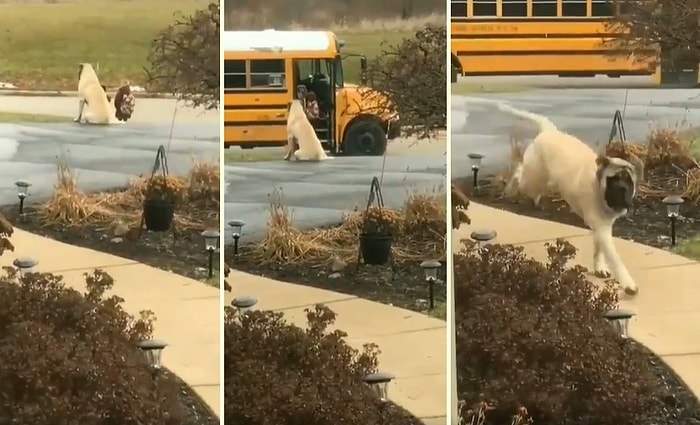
x: 668, y: 161
x: 422, y: 224
x: 71, y: 207
x: 666, y: 147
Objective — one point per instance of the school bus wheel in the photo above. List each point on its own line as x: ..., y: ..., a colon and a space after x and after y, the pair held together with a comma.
x: 365, y: 137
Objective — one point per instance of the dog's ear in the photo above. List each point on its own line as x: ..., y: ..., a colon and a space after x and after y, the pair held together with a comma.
x: 638, y: 165
x: 602, y: 161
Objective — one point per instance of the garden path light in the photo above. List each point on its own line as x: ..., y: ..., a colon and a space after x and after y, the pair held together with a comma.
x: 236, y: 229
x: 22, y: 193
x: 620, y: 320
x: 244, y: 304
x: 153, y: 350
x: 673, y: 209
x: 475, y: 162
x: 25, y: 265
x: 379, y: 382
x: 430, y: 268
x: 211, y: 243
x: 483, y: 236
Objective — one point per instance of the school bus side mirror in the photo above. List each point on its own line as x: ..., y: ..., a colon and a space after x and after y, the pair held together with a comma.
x: 363, y: 70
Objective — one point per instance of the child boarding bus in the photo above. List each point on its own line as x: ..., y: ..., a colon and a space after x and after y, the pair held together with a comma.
x: 265, y: 70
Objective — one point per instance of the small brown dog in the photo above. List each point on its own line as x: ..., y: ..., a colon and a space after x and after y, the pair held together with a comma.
x: 124, y: 102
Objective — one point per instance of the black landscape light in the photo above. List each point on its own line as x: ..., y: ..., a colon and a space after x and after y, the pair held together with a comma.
x: 673, y: 210
x: 25, y: 265
x: 483, y: 236
x: 475, y: 162
x: 153, y: 350
x: 620, y: 319
x: 430, y: 268
x: 236, y: 231
x: 211, y: 243
x: 22, y: 193
x: 379, y: 382
x: 244, y: 304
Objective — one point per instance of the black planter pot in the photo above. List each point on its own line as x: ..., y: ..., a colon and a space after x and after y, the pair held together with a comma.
x: 158, y: 215
x: 375, y: 249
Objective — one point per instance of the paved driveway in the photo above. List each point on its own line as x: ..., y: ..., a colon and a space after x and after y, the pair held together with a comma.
x: 319, y: 193
x: 104, y: 157
x: 478, y: 126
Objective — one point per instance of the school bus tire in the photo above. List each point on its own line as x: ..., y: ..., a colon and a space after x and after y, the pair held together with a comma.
x: 365, y: 137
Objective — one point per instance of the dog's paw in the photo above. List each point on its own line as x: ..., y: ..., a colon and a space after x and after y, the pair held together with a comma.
x: 602, y: 272
x: 77, y: 119
x: 631, y: 290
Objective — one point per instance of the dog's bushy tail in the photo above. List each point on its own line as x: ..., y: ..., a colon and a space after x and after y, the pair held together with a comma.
x: 543, y: 123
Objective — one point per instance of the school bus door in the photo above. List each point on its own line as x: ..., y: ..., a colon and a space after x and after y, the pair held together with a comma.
x: 319, y: 76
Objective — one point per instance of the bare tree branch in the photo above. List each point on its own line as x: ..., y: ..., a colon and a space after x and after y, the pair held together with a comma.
x: 671, y: 25
x: 411, y: 77
x: 184, y: 58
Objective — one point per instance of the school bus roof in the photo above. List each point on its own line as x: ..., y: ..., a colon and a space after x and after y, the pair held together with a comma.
x: 280, y: 41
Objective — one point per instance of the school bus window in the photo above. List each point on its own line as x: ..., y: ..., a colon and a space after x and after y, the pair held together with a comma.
x: 624, y: 7
x: 234, y: 74
x: 601, y: 9
x: 546, y: 8
x: 514, y: 8
x: 573, y: 8
x: 484, y: 7
x: 267, y: 73
x: 458, y: 8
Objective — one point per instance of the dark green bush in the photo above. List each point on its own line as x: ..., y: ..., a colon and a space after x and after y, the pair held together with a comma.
x: 532, y: 334
x: 71, y: 358
x: 279, y: 374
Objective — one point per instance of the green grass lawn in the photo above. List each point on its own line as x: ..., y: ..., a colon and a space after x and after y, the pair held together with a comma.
x: 41, y: 44
x: 366, y: 43
x: 19, y: 118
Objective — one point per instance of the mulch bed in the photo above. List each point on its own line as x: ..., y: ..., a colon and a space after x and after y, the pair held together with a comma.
x: 677, y: 405
x: 183, y: 254
x: 404, y: 287
x: 196, y: 410
x: 646, y: 223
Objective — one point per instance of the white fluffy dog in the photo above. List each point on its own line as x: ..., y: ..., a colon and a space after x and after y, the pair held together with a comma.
x: 300, y: 130
x: 92, y: 94
x: 598, y: 188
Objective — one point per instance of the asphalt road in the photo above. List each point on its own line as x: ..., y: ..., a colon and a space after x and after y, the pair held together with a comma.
x: 478, y: 126
x: 319, y: 193
x: 104, y: 157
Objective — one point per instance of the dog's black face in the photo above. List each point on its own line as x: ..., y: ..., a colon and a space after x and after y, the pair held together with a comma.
x: 619, y: 191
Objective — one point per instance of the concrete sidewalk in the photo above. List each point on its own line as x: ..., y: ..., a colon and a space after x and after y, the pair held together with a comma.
x: 668, y: 312
x: 412, y: 345
x: 187, y: 311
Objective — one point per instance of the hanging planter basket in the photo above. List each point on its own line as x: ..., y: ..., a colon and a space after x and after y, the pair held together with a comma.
x: 375, y: 249
x: 158, y: 210
x: 158, y: 214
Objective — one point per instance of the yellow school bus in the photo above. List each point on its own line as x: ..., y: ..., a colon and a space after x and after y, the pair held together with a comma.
x: 569, y: 38
x: 265, y: 70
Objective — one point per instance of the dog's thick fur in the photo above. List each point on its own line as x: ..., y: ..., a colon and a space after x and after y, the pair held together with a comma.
x: 301, y: 132
x: 92, y: 95
x: 598, y: 188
